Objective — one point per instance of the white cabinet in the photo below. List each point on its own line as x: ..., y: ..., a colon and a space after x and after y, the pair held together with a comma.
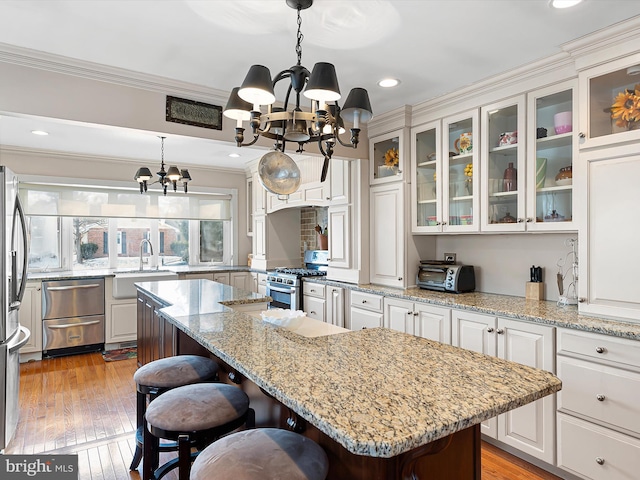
x: 241, y: 280
x: 418, y: 319
x: 386, y: 157
x: 221, y: 277
x: 199, y: 276
x: 530, y: 428
x: 31, y: 316
x: 121, y: 325
x: 340, y: 181
x: 313, y: 299
x: 259, y: 237
x: 387, y: 235
x: 259, y: 283
x: 607, y: 228
x: 334, y: 308
x: 339, y: 236
x: 426, y: 187
x: 598, y: 410
x: 365, y: 310
x: 460, y: 199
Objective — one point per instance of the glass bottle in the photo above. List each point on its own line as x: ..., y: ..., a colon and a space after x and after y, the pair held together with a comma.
x: 510, y: 179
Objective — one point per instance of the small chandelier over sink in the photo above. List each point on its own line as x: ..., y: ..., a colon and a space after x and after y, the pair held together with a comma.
x: 165, y: 177
x: 322, y: 124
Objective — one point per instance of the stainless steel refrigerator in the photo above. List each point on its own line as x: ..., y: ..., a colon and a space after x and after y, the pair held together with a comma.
x: 13, y: 278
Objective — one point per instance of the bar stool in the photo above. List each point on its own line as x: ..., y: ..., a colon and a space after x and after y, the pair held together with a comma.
x: 262, y: 454
x: 193, y: 415
x: 162, y: 375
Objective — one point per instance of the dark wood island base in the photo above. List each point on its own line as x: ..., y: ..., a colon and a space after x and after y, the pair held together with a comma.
x: 456, y: 456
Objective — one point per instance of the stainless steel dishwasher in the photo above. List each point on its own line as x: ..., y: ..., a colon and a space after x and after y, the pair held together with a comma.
x: 72, y: 316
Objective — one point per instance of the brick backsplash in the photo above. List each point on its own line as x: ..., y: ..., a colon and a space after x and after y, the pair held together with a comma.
x: 309, y: 218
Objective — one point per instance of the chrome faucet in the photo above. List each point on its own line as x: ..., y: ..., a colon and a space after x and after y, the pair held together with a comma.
x: 150, y: 250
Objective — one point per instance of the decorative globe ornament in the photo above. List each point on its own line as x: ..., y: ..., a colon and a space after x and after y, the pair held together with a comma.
x: 279, y: 174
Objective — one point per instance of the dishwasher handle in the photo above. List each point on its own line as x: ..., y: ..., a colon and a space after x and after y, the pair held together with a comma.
x: 70, y: 325
x: 73, y: 287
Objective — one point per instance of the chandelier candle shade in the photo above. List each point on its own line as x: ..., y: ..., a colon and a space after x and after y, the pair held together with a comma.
x: 165, y: 177
x: 321, y: 124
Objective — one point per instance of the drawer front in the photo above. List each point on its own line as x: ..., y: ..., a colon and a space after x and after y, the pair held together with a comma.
x: 313, y: 289
x: 601, y: 392
x: 601, y: 347
x: 314, y: 307
x: 366, y: 300
x: 595, y: 452
x: 364, y: 319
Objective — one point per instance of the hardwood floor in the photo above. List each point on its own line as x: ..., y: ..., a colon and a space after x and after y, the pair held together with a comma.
x: 81, y: 404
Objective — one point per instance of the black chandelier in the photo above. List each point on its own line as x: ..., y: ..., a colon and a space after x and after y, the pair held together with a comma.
x: 165, y: 177
x: 322, y: 124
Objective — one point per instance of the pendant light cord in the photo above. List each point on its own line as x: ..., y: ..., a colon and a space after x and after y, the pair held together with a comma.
x: 299, y: 39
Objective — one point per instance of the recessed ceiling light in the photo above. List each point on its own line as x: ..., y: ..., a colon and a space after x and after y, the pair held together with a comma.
x: 564, y: 3
x: 39, y: 132
x: 234, y: 155
x: 388, y: 82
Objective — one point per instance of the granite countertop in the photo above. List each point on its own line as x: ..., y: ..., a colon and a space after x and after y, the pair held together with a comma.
x: 376, y: 392
x: 111, y: 272
x: 546, y: 312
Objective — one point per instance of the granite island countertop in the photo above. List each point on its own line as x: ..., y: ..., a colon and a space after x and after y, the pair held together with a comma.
x: 376, y: 392
x: 543, y: 311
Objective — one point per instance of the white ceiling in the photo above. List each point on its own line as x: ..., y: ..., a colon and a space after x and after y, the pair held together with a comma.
x: 432, y: 46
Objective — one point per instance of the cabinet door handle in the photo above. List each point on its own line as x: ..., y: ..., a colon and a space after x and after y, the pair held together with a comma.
x: 438, y: 223
x: 600, y: 460
x: 500, y: 331
x: 312, y: 312
x: 490, y: 329
x: 364, y: 301
x: 399, y: 278
x: 415, y: 314
x: 600, y: 397
x: 520, y: 220
x: 409, y: 313
x: 582, y: 299
x: 312, y: 290
x: 444, y: 223
x: 582, y: 135
x: 600, y: 349
x: 529, y: 219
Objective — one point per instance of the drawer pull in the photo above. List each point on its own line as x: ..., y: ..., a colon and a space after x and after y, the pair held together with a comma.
x: 600, y: 349
x: 600, y: 460
x: 600, y: 397
x: 364, y: 301
x: 312, y: 312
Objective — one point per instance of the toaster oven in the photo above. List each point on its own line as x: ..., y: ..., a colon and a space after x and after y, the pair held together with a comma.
x: 446, y: 277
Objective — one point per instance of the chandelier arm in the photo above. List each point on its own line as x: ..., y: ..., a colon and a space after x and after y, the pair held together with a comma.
x: 336, y: 134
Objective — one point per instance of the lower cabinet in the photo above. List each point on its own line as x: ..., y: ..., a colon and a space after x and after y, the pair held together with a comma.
x: 365, y: 310
x: 241, y: 280
x: 530, y: 428
x: 222, y: 277
x: 121, y: 324
x: 31, y: 317
x: 422, y: 320
x: 313, y: 300
x: 334, y: 308
x: 156, y: 336
x: 598, y: 408
x: 259, y: 283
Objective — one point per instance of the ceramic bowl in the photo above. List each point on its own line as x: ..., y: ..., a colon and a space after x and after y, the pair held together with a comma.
x: 562, y: 129
x: 564, y: 182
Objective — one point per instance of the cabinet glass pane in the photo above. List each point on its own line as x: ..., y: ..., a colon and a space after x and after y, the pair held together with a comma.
x: 613, y: 103
x: 426, y: 178
x: 460, y: 185
x: 502, y: 165
x: 386, y: 158
x: 554, y: 182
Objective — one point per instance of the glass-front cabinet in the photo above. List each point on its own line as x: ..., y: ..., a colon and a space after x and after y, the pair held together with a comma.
x: 503, y: 140
x: 426, y: 191
x: 551, y: 150
x: 610, y: 100
x: 460, y: 182
x: 386, y: 158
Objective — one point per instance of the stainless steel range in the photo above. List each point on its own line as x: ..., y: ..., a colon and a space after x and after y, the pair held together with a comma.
x: 284, y: 285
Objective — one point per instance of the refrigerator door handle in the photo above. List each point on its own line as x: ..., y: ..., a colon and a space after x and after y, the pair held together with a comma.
x: 18, y: 292
x: 27, y: 335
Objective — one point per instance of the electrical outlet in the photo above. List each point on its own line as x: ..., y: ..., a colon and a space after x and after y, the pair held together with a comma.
x: 450, y: 257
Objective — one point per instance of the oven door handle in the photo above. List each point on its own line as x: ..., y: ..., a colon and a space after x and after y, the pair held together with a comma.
x: 283, y: 290
x: 70, y: 325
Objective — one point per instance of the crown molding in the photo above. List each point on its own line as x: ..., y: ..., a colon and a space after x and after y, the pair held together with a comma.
x: 30, y: 58
x: 389, y: 121
x: 34, y: 153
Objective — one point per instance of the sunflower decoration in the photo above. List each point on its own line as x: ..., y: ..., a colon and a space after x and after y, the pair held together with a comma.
x: 391, y: 157
x: 626, y: 107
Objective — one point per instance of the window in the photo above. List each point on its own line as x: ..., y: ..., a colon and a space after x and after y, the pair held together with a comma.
x: 45, y: 243
x: 211, y: 241
x: 87, y: 240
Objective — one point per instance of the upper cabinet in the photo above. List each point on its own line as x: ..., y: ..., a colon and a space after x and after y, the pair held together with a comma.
x: 609, y: 93
x: 386, y: 154
x: 503, y: 141
x: 459, y: 183
x: 551, y: 149
x: 426, y: 191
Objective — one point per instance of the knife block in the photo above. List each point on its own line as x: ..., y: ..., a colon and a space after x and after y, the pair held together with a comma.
x: 534, y: 291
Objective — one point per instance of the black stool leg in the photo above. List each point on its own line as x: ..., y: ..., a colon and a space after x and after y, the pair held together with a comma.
x: 141, y: 405
x: 151, y: 457
x: 251, y: 419
x: 184, y: 455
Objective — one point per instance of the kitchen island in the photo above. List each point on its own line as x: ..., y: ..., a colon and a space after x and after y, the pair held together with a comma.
x: 383, y: 404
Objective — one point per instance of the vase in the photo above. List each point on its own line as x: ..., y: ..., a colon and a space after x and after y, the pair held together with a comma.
x: 510, y: 179
x: 468, y: 186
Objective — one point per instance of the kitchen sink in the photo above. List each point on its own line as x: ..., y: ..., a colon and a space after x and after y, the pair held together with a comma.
x: 123, y: 282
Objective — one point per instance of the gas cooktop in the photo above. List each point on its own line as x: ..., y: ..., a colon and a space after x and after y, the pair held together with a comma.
x: 301, y: 272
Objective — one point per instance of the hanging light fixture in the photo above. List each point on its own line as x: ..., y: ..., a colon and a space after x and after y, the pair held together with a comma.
x: 322, y: 124
x: 165, y: 177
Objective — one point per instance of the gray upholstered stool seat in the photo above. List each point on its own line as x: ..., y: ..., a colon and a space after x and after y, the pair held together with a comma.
x: 196, y: 415
x: 261, y: 454
x: 161, y: 375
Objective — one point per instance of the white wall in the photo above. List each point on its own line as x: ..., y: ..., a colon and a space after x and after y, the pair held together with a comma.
x: 502, y: 262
